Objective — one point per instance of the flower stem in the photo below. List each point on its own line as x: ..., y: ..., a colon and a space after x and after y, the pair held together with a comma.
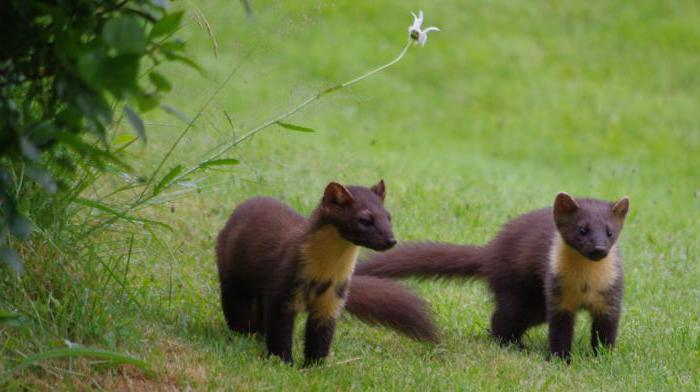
x: 282, y: 116
x: 378, y: 69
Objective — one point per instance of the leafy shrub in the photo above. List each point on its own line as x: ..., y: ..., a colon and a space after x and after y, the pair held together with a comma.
x: 66, y: 66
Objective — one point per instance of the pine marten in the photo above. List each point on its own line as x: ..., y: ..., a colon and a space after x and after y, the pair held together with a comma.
x: 542, y: 267
x: 274, y: 263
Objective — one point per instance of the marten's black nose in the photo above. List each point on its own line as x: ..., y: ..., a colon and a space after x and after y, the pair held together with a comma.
x: 391, y: 242
x: 599, y: 252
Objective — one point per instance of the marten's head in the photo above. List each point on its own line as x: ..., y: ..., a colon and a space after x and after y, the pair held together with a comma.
x: 589, y: 226
x: 359, y: 215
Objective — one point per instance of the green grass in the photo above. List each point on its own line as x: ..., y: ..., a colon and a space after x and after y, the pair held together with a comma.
x: 512, y: 102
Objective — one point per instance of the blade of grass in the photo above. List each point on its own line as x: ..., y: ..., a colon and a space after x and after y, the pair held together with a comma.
x: 167, y: 179
x: 73, y: 352
x: 294, y: 127
x: 117, y: 215
x: 219, y: 162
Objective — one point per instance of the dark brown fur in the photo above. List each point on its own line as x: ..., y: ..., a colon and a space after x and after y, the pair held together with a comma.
x: 385, y: 301
x: 528, y: 287
x: 267, y: 257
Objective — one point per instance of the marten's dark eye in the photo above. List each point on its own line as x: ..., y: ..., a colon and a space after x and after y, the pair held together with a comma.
x: 365, y: 221
x: 609, y: 233
x: 389, y: 217
x: 583, y: 230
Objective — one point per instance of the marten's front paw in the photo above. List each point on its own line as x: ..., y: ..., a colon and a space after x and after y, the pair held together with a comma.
x: 283, y: 357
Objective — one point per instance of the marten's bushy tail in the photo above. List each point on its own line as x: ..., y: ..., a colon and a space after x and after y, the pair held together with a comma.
x: 426, y: 260
x: 386, y: 302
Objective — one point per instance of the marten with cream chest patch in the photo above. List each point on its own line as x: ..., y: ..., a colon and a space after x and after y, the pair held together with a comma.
x: 542, y: 267
x: 274, y: 263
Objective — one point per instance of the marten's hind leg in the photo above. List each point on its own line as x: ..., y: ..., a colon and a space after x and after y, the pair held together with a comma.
x: 242, y: 311
x: 512, y: 317
x: 507, y: 328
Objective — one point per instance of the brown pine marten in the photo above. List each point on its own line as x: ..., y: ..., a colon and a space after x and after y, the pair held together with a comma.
x: 542, y: 267
x: 274, y: 263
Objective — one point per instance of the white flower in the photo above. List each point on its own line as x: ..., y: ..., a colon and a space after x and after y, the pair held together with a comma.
x: 415, y: 32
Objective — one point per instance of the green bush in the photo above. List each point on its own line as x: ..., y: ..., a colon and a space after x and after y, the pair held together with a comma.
x: 68, y: 68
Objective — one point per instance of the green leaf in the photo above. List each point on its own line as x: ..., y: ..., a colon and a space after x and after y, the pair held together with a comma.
x: 114, y: 357
x: 119, y: 74
x: 69, y: 118
x: 160, y: 81
x: 175, y: 112
x: 146, y: 102
x: 94, y: 107
x: 135, y: 122
x: 89, y: 65
x: 186, y: 60
x: 293, y: 127
x: 173, y: 45
x: 219, y: 162
x: 8, y: 319
x: 125, y: 34
x: 123, y: 139
x: 167, y: 24
x: 10, y: 257
x: 167, y: 179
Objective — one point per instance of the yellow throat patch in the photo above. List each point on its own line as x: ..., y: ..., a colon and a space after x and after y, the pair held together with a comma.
x: 328, y: 260
x: 583, y: 282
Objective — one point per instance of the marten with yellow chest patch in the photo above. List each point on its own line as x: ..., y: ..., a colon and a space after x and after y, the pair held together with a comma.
x: 542, y: 267
x: 274, y: 263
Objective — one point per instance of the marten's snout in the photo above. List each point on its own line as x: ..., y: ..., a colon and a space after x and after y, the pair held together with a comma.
x: 384, y: 243
x: 598, y: 253
x: 385, y: 246
x: 387, y: 234
x: 390, y: 242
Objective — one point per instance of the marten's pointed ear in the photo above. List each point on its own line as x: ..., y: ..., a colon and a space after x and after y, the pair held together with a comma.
x: 379, y: 189
x: 565, y: 204
x: 336, y: 194
x: 620, y: 208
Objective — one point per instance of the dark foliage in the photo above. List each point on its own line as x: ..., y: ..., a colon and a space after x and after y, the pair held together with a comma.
x: 68, y: 68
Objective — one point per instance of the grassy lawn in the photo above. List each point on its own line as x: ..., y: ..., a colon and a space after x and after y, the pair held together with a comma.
x: 512, y: 102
